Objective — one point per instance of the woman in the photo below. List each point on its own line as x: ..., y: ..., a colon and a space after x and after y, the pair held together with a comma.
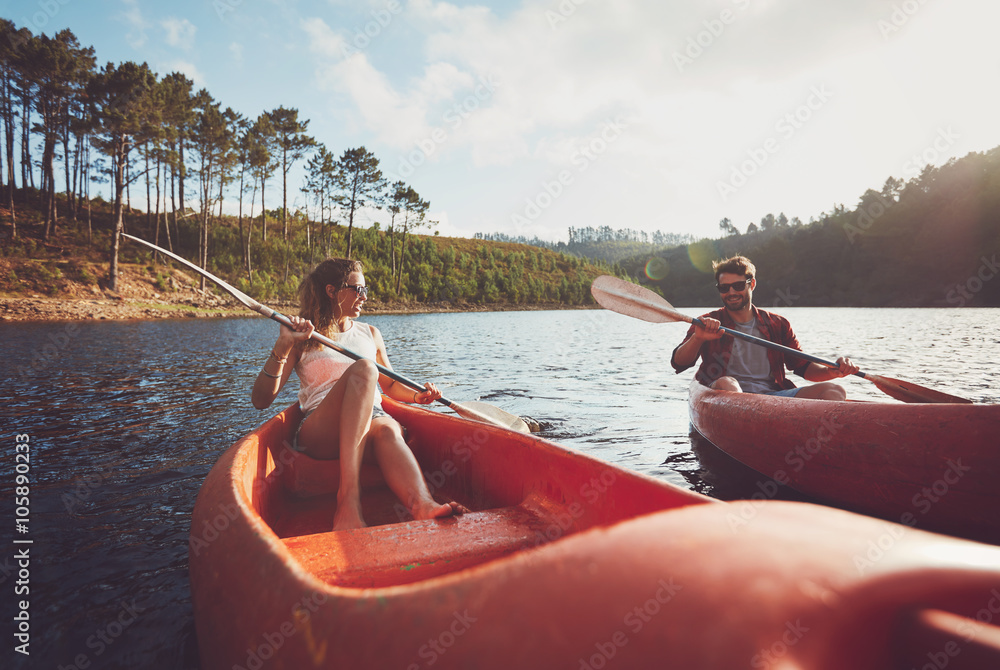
x: 340, y: 397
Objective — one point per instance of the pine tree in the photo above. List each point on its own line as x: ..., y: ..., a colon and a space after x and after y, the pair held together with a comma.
x: 117, y: 94
x: 360, y: 183
x: 292, y: 143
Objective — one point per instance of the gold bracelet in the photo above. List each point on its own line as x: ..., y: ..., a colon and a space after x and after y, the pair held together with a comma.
x: 415, y: 394
x: 273, y: 355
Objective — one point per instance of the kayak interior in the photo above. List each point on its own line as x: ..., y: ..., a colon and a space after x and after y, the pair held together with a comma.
x: 522, y: 493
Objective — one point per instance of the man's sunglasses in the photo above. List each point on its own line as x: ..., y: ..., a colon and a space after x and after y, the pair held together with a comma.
x: 736, y: 285
x: 362, y: 291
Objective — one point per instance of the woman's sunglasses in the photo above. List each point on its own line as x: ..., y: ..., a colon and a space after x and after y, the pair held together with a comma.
x: 362, y: 291
x: 736, y: 285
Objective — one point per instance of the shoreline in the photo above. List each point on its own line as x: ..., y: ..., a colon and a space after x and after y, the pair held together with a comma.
x: 173, y: 294
x: 39, y: 309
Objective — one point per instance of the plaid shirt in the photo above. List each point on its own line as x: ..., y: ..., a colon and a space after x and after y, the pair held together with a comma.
x: 715, y: 354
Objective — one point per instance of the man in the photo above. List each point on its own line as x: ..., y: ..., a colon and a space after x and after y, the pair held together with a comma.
x: 733, y: 364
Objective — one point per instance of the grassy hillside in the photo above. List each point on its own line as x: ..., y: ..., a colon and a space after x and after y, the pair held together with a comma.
x: 436, y: 271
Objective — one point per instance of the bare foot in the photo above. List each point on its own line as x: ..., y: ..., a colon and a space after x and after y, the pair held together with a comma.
x: 348, y: 517
x: 435, y: 510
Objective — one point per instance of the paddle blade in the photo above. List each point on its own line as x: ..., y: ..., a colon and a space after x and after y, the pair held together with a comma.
x: 633, y: 300
x: 910, y: 392
x: 480, y: 411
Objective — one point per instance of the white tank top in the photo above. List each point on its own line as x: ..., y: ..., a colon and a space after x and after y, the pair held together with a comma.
x: 319, y: 369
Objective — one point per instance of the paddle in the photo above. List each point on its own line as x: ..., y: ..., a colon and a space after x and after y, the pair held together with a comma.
x: 483, y: 412
x: 632, y: 300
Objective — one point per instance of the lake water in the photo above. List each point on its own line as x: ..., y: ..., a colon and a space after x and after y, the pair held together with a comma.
x: 125, y: 419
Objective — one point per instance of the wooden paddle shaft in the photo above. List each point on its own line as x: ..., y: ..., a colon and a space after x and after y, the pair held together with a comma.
x: 777, y: 347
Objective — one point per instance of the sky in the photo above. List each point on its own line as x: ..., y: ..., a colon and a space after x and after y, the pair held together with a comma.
x: 531, y: 117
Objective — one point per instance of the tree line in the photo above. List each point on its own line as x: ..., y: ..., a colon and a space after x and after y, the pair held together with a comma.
x: 658, y: 238
x: 768, y: 223
x: 590, y: 234
x: 445, y: 272
x: 125, y: 124
x: 932, y: 240
x: 602, y: 243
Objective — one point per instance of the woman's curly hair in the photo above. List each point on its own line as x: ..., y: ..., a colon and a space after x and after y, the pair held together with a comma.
x: 315, y: 304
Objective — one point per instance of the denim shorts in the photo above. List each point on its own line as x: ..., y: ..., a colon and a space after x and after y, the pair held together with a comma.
x: 784, y: 393
x: 376, y: 413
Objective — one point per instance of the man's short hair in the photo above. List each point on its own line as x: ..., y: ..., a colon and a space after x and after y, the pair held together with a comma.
x: 735, y: 265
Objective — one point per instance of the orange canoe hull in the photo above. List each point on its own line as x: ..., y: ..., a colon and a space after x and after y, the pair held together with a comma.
x: 933, y: 466
x: 563, y: 562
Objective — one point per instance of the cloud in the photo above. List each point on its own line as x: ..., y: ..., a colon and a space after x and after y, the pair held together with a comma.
x: 397, y: 118
x: 323, y: 42
x: 180, y: 33
x: 559, y: 71
x: 137, y: 24
x: 189, y: 69
x: 403, y: 112
x: 236, y: 49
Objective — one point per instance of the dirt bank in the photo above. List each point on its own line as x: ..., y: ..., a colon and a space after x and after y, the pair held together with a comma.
x: 74, y: 295
x: 167, y: 294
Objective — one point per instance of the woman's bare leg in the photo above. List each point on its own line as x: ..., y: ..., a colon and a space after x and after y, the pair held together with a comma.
x: 402, y: 472
x: 338, y: 429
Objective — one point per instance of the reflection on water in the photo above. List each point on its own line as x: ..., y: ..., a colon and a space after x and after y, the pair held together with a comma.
x: 126, y: 419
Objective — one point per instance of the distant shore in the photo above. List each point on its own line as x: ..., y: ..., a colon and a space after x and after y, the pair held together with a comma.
x: 173, y: 294
x: 106, y: 308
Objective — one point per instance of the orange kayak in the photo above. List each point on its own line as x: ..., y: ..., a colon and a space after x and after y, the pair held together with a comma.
x: 564, y: 562
x: 932, y: 466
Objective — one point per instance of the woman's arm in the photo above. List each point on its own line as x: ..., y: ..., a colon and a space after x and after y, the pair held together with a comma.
x: 397, y: 390
x: 280, y: 362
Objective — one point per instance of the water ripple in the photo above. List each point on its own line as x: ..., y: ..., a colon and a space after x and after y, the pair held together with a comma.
x: 126, y: 419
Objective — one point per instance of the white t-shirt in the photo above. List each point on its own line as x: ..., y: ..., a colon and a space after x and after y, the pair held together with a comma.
x: 749, y: 364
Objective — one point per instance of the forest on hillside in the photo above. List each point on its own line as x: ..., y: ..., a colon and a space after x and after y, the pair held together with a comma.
x: 439, y: 270
x: 178, y: 150
x: 68, y: 123
x: 931, y: 241
x: 601, y: 243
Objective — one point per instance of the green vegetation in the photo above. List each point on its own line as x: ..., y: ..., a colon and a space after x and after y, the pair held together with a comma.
x: 931, y: 241
x: 172, y: 146
x: 436, y: 270
x: 602, y: 243
x: 430, y: 269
